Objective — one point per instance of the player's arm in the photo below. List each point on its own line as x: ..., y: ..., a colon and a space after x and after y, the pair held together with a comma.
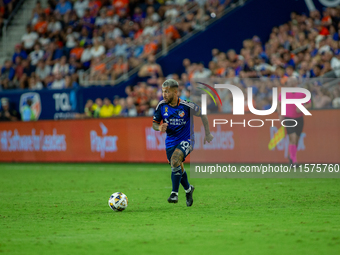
x: 307, y: 105
x: 197, y: 112
x: 208, y: 136
x: 159, y: 127
x: 157, y: 118
x: 279, y: 109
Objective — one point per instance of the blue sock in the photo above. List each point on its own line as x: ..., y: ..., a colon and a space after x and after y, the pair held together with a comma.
x: 184, y: 181
x: 176, y: 175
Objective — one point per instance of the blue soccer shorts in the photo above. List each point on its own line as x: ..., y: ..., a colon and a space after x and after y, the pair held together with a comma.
x: 185, y: 146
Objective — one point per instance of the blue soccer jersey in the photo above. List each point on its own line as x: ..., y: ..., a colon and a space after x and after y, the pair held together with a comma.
x: 179, y: 120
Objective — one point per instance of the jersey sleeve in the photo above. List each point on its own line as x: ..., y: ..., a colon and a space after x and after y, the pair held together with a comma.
x: 195, y: 109
x: 157, y: 117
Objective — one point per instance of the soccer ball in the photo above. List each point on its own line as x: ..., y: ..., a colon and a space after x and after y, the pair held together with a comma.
x: 118, y: 201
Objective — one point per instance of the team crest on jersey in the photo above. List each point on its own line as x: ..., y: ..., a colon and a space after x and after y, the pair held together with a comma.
x: 181, y: 113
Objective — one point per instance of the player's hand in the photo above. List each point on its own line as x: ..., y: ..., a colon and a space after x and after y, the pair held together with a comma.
x: 208, y: 138
x: 163, y: 127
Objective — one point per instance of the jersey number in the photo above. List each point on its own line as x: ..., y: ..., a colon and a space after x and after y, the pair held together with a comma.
x: 185, y: 146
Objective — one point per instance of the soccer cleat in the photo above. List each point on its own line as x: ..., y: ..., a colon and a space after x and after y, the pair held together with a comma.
x: 190, y: 200
x: 293, y: 164
x: 290, y: 160
x: 173, y: 198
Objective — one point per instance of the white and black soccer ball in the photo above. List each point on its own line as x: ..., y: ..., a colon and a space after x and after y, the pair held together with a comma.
x: 118, y: 201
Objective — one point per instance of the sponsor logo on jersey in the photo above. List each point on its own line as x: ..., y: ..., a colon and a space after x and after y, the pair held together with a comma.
x: 177, y: 122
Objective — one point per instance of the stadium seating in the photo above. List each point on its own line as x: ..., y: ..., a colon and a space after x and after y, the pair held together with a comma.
x: 108, y: 38
x: 305, y: 47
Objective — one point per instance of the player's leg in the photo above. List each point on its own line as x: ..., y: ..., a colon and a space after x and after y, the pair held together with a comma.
x: 189, y: 189
x: 298, y: 131
x: 291, y: 131
x: 184, y: 180
x: 176, y: 174
x: 292, y: 147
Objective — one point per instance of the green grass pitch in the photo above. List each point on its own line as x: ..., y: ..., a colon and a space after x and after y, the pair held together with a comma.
x: 62, y: 209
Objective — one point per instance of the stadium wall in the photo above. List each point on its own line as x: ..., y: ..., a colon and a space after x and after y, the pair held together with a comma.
x: 134, y: 140
x: 60, y: 103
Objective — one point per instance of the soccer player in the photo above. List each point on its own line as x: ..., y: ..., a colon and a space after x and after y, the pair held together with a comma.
x: 177, y: 115
x: 292, y: 112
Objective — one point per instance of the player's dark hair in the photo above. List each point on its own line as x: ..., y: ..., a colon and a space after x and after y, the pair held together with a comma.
x: 171, y: 83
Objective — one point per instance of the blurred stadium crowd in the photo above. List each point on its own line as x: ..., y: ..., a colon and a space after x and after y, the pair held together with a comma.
x: 66, y: 37
x: 52, y: 51
x: 6, y: 8
x: 304, y: 48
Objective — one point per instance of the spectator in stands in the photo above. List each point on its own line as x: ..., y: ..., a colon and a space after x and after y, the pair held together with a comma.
x: 44, y: 40
x: 322, y: 98
x: 102, y: 19
x: 37, y: 10
x: 7, y: 75
x: 335, y: 62
x: 63, y: 7
x: 36, y: 55
x: 88, y: 20
x: 124, y: 112
x: 77, y: 51
x: 19, y: 70
x: 117, y: 106
x: 28, y: 69
x: 80, y: 6
x: 336, y: 97
x: 59, y: 82
x: 35, y: 84
x: 96, y: 107
x: 74, y: 65
x: 88, y: 109
x: 6, y: 113
x: 150, y: 71
x: 107, y: 110
x: 151, y: 14
x: 86, y: 56
x: 202, y: 72
x: 121, y: 47
x: 41, y: 26
x: 54, y: 27
x: 131, y: 108
x: 97, y: 50
x: 52, y: 54
x: 61, y: 67
x: 29, y: 39
x: 42, y: 71
x: 19, y: 52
